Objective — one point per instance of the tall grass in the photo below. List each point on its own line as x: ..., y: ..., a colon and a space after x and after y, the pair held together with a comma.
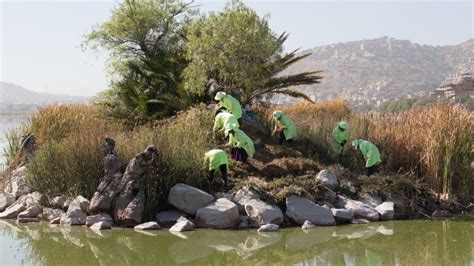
x: 435, y: 142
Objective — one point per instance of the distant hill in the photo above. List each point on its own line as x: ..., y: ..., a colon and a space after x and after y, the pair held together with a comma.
x: 384, y: 68
x: 17, y: 98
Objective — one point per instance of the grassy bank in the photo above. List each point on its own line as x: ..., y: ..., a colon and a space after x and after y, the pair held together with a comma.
x: 431, y: 145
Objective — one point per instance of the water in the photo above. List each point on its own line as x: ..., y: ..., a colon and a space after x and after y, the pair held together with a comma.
x: 387, y: 243
x: 7, y: 123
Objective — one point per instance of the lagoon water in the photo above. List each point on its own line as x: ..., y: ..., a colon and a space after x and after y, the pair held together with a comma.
x: 7, y: 123
x: 384, y: 243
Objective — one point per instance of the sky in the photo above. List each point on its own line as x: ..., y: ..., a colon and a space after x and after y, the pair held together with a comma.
x: 40, y: 41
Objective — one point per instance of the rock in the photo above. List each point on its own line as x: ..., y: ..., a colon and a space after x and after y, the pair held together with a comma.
x: 301, y: 209
x: 18, y: 184
x: 101, y: 226
x: 148, y: 226
x: 109, y: 184
x: 359, y: 221
x: 25, y: 220
x: 328, y: 178
x: 341, y: 201
x: 76, y: 212
x: 386, y: 210
x: 441, y: 214
x: 58, y: 202
x: 371, y: 200
x: 21, y: 204
x: 260, y: 212
x: 225, y: 195
x: 183, y: 224
x: 67, y: 203
x: 307, y: 225
x: 242, y: 196
x: 6, y: 199
x: 31, y: 212
x: 330, y: 196
x: 51, y: 214
x: 168, y: 218
x: 400, y: 207
x: 188, y: 199
x: 101, y: 217
x: 362, y: 210
x: 244, y: 222
x: 130, y: 202
x: 219, y: 214
x: 268, y: 228
x: 56, y: 220
x: 342, y: 215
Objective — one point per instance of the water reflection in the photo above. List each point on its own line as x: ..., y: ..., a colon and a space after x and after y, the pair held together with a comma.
x: 407, y: 242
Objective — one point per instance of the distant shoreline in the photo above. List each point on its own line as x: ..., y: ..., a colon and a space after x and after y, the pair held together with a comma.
x: 16, y: 113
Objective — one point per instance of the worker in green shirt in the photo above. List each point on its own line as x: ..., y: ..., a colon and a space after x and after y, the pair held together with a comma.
x: 283, y: 125
x: 241, y: 145
x: 340, y: 135
x: 371, y: 154
x: 216, y: 160
x: 223, y: 121
x: 230, y: 103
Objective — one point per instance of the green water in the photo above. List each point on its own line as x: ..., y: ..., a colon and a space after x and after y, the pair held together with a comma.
x: 387, y: 243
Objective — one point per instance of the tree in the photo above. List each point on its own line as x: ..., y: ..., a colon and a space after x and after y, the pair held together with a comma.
x: 237, y: 50
x: 146, y: 42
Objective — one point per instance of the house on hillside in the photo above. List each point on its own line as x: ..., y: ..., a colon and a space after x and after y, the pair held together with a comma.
x: 459, y: 85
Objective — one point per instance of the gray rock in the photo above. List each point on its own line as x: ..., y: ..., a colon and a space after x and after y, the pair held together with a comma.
x: 244, y: 222
x: 101, y: 217
x: 359, y: 221
x: 51, y: 214
x: 301, y: 209
x: 25, y: 220
x: 328, y: 178
x: 67, y: 203
x: 400, y: 207
x: 371, y: 200
x: 31, y: 212
x: 101, y: 226
x: 21, y: 204
x: 76, y: 212
x: 148, y: 226
x: 109, y: 184
x: 268, y: 228
x: 219, y: 214
x: 83, y: 202
x: 307, y: 225
x: 183, y: 224
x: 56, y: 220
x: 188, y: 199
x: 362, y: 210
x: 130, y: 202
x: 386, y: 210
x: 6, y: 199
x: 242, y: 196
x: 341, y: 201
x: 18, y: 184
x: 58, y: 202
x: 261, y: 213
x: 330, y: 196
x: 168, y: 218
x: 342, y: 215
x: 441, y: 214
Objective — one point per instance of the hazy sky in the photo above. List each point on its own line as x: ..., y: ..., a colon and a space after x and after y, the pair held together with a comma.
x: 40, y: 40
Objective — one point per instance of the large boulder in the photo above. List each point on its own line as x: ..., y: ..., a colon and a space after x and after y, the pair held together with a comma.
x: 242, y: 196
x: 260, y: 212
x: 58, y: 202
x: 31, y: 212
x: 147, y: 226
x: 362, y: 210
x: 220, y: 214
x: 6, y: 199
x: 371, y: 200
x: 18, y: 184
x: 301, y: 209
x: 21, y: 204
x: 386, y: 210
x: 328, y: 178
x: 109, y: 184
x: 76, y: 212
x: 51, y: 214
x: 130, y: 202
x: 342, y: 215
x: 183, y: 224
x: 101, y: 217
x: 188, y: 199
x: 168, y: 218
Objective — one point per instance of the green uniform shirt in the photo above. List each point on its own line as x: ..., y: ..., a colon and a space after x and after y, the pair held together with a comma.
x: 232, y: 105
x: 240, y: 140
x: 215, y: 158
x: 338, y: 137
x: 285, y: 121
x: 369, y: 151
x: 225, y: 121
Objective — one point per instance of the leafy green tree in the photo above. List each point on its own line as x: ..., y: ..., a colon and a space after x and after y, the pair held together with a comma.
x: 146, y: 42
x: 239, y: 53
